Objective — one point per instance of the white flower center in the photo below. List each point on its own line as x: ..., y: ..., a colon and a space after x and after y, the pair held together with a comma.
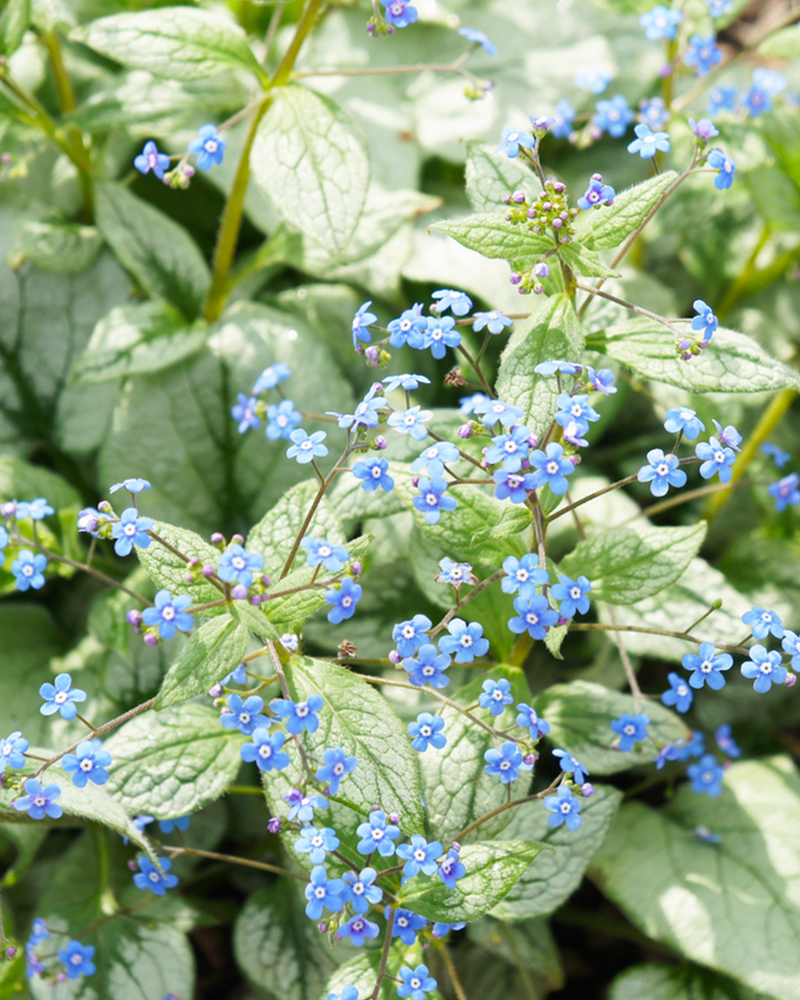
x: 552, y: 468
x: 87, y: 764
x: 662, y: 469
x: 238, y: 562
x: 40, y: 801
x: 425, y: 731
x: 265, y: 751
x: 211, y: 146
x: 61, y: 697
x: 168, y: 613
x: 130, y: 529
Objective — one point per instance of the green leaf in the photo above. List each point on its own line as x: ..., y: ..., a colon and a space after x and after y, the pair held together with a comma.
x: 279, y: 949
x: 136, y: 338
x: 731, y: 906
x: 60, y: 248
x: 180, y: 43
x: 159, y: 252
x: 313, y: 163
x: 629, y: 564
x: 731, y: 363
x: 167, y: 570
x: 673, y: 982
x: 213, y: 650
x: 580, y: 715
x: 173, y: 762
x: 555, y: 876
x: 254, y: 619
x: 552, y: 332
x: 529, y: 962
x: 491, y: 236
x: 493, y: 868
x: 21, y: 481
x: 611, y: 225
x: 26, y: 840
x: 362, y: 973
x: 14, y: 23
x: 490, y: 177
x: 783, y: 44
x: 512, y: 521
x: 584, y: 261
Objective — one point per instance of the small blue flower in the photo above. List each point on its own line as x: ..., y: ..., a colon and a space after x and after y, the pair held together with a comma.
x: 282, y: 420
x: 456, y: 574
x: 61, y: 698
x: 36, y: 509
x: 721, y: 99
x: 265, y: 751
x: 726, y: 742
x: 613, y: 116
x: 270, y: 377
x: 474, y: 35
x: 467, y: 404
x: 324, y: 553
x: 779, y: 456
x: 706, y: 776
x: 149, y: 877
x: 597, y: 194
x: 654, y: 112
x: 496, y: 695
x: 513, y: 486
x: 706, y: 667
x: 694, y: 748
x: 451, y: 869
x: 512, y: 139
x: 716, y: 459
x: 769, y: 80
x: 705, y: 321
x: 169, y: 614
x: 408, y: 328
x: 39, y: 932
x: 411, y: 421
x: 375, y: 473
x: 717, y: 8
x: 522, y: 575
x: 306, y: 447
x: 440, y: 930
x: 427, y: 667
x: 151, y: 159
x: 77, y: 959
x: 647, y: 143
x: 344, y: 600
x: 572, y: 595
x: 764, y: 667
x: 728, y: 436
x: 361, y: 323
x: 419, y: 856
x: 494, y: 321
x: 726, y: 167
x: 337, y: 765
x: 527, y: 716
x: 236, y: 566
x: 410, y: 635
x: 509, y: 448
x: 756, y: 101
x: 245, y: 413
x: 323, y: 892
x: 571, y: 765
x: 790, y: 644
x: 366, y: 414
x: 399, y: 13
x: 131, y: 485
x: 631, y: 729
x: 88, y: 763
x: 465, y: 641
x: 432, y: 500
x: 685, y: 420
x: 668, y: 752
x: 406, y: 924
x: 377, y: 835
x: 39, y: 802
x: 562, y: 367
x: 703, y: 54
x: 244, y: 715
x: 28, y: 569
x: 408, y: 383
x: 427, y: 732
x: 535, y: 616
x: 703, y: 130
x: 179, y: 823
x: 358, y: 928
x: 416, y: 982
x: 299, y: 715
x: 441, y: 334
x: 565, y: 808
x: 316, y: 843
x: 679, y: 693
x: 209, y: 148
x: 595, y: 80
x: 434, y: 458
x: 563, y: 116
x: 12, y: 751
x: 551, y: 468
x: 492, y: 410
x: 301, y: 807
x: 661, y: 473
x: 362, y: 893
x: 661, y: 22
x: 459, y: 303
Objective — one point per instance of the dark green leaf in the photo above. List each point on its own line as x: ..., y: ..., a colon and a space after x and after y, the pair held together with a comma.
x: 491, y: 236
x: 168, y: 570
x: 610, y: 226
x: 584, y: 261
x: 213, y: 650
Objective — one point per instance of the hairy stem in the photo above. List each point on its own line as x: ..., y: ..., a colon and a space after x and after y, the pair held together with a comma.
x: 233, y: 859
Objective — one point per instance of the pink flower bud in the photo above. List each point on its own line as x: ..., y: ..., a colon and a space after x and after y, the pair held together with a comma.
x: 151, y: 640
x: 217, y: 538
x: 239, y: 592
x: 215, y: 691
x: 791, y: 680
x: 394, y: 818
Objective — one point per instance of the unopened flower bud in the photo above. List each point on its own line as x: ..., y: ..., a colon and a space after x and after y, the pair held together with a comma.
x: 6, y: 159
x: 215, y: 690
x: 395, y: 657
x: 322, y: 927
x: 132, y: 866
x: 530, y: 759
x: 151, y: 640
x: 380, y: 443
x: 531, y: 213
x: 61, y: 977
x: 456, y: 846
x: 217, y: 538
x: 355, y: 569
x: 133, y: 617
x: 373, y: 356
x: 518, y: 197
x: 374, y: 808
x: 587, y: 789
x: 515, y: 278
x: 104, y: 507
x: 394, y: 818
x: 266, y: 580
x: 465, y: 430
x: 255, y: 600
x: 557, y: 223
x: 791, y: 680
x: 208, y: 571
x: 237, y: 539
x: 275, y: 824
x: 239, y: 592
x: 11, y: 951
x: 415, y: 481
x: 541, y: 270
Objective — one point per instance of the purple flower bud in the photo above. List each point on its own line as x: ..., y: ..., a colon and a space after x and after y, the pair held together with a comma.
x: 531, y: 213
x: 355, y: 569
x: 415, y: 481
x: 530, y: 759
x: 394, y: 657
x: 394, y: 818
x: 686, y: 356
x: 238, y: 539
x: 322, y: 928
x: 371, y: 29
x: 380, y: 443
x: 194, y: 561
x: 665, y: 70
x: 374, y: 808
x: 133, y: 617
x: 791, y: 680
x: 547, y: 206
x: 208, y: 571
x: 533, y: 441
x: 104, y: 507
x: 217, y: 538
x: 541, y: 270
x: 587, y: 789
x: 456, y: 846
x: 561, y: 621
x: 9, y: 509
x: 11, y: 951
x: 188, y: 170
x: 518, y: 197
x: 239, y: 592
x: 189, y: 578
x: 61, y: 977
x: 151, y: 640
x: 465, y: 430
x: 515, y: 278
x: 255, y: 600
x: 132, y: 866
x: 373, y: 356
x: 275, y: 824
x: 215, y: 690
x: 6, y: 159
x: 266, y: 580
x: 557, y: 223
x: 596, y: 132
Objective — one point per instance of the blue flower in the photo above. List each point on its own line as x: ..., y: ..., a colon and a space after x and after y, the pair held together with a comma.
x: 282, y: 420
x: 416, y: 982
x: 366, y: 414
x: 563, y: 117
x: 790, y: 644
x: 528, y: 717
x: 169, y: 614
x: 375, y: 473
x: 344, y: 600
x: 88, y: 763
x: 522, y: 575
x: 61, y: 698
x: 411, y: 634
x: 726, y: 742
x: 323, y: 892
x: 597, y: 194
x: 39, y: 932
x: 613, y: 116
x: 721, y: 99
x: 512, y: 139
x: 441, y: 334
x: 209, y: 148
x: 661, y: 473
x: 131, y: 485
x: 301, y: 807
x: 513, y: 486
x: 406, y: 924
x: 433, y: 459
x: 408, y: 383
x: 316, y: 843
x: 411, y: 421
x: 440, y: 930
x: 245, y: 413
x: 459, y: 303
x: 321, y: 552
x: 565, y: 808
x: 726, y: 167
x: 12, y: 751
x: 361, y: 321
x: 36, y: 509
x: 595, y: 80
x: 151, y: 159
x: 467, y: 404
x: 179, y: 823
x: 509, y: 448
x: 705, y: 322
x: 408, y: 328
x: 149, y: 877
x: 456, y: 574
x: 427, y: 667
x: 684, y: 420
x: 702, y: 54
x: 575, y: 408
x: 535, y: 616
x: 694, y: 748
x: 419, y: 856
x: 572, y: 595
x: 496, y: 695
x: 679, y: 694
x: 571, y: 765
x: 39, y: 802
x: 270, y: 377
x: 764, y: 667
x: 265, y: 751
x: 337, y: 765
x: 77, y: 959
x: 431, y: 500
x: 706, y: 667
x: 551, y: 468
x: 716, y: 459
x: 654, y: 112
x: 306, y: 447
x: 236, y: 565
x: 399, y: 13
x: 494, y: 321
x: 377, y: 835
x: 661, y: 22
x: 769, y: 80
x: 451, y: 869
x: 362, y: 893
x: 647, y: 142
x: 299, y: 715
x: 779, y: 456
x: 756, y: 101
x: 474, y: 35
x: 465, y: 641
x: 730, y: 437
x: 358, y: 928
x: 631, y: 729
x: 717, y: 8
x: 703, y: 130
x: 244, y: 715
x: 505, y: 763
x: 492, y: 410
x: 669, y: 752
x: 427, y: 732
x: 28, y: 569
x: 706, y: 776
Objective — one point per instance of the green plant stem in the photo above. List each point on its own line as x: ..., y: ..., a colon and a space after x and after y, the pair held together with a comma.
x: 508, y: 805
x: 633, y: 684
x: 646, y: 630
x: 451, y: 972
x: 233, y: 859
x: 630, y: 305
x: 387, y: 941
x: 478, y: 589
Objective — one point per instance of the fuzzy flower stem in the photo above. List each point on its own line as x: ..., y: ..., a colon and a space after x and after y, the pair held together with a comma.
x: 247, y: 862
x: 509, y: 805
x: 387, y: 941
x: 630, y: 305
x: 636, y: 691
x: 472, y: 594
